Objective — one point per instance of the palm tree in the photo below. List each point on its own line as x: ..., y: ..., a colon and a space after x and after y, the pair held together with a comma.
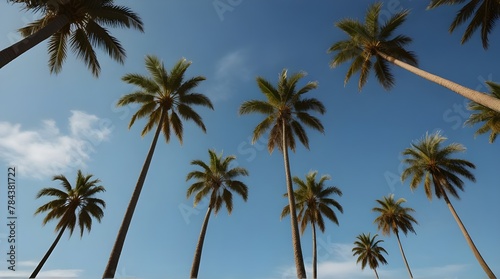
x: 74, y: 207
x: 484, y: 114
x: 216, y: 179
x: 165, y: 98
x: 313, y: 201
x: 79, y: 24
x: 369, y: 252
x: 481, y: 13
x: 394, y: 217
x: 285, y: 111
x: 427, y: 160
x: 371, y: 41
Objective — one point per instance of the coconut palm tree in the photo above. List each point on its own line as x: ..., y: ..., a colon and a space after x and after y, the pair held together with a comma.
x: 313, y: 201
x: 164, y: 98
x: 393, y: 218
x: 72, y: 206
x: 77, y: 24
x: 431, y: 162
x: 484, y: 114
x: 369, y: 252
x: 372, y: 45
x: 482, y: 13
x: 285, y: 111
x: 217, y: 180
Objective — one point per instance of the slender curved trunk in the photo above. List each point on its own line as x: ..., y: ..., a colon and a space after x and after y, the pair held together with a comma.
x: 47, y: 255
x: 472, y: 246
x: 315, y: 253
x: 403, y: 254
x: 473, y: 95
x: 199, y: 247
x: 297, y: 249
x: 10, y: 53
x: 114, y: 257
x: 376, y: 274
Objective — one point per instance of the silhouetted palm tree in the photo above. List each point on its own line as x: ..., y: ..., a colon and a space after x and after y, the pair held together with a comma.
x: 371, y: 40
x: 216, y: 179
x: 73, y: 207
x: 369, y: 252
x: 164, y: 97
x: 490, y: 118
x: 285, y: 111
x: 427, y: 160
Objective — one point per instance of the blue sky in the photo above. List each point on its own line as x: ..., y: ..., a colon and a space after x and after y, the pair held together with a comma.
x: 57, y: 124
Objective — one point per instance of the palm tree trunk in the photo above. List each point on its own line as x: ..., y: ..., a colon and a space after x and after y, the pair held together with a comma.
x: 403, y: 254
x: 473, y: 95
x: 10, y: 53
x: 297, y: 249
x: 472, y: 246
x: 47, y: 255
x: 315, y: 253
x: 199, y: 247
x: 376, y: 274
x: 114, y: 257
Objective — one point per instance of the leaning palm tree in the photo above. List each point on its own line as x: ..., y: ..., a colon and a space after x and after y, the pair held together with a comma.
x: 313, y: 201
x: 431, y: 162
x: 73, y: 207
x: 164, y: 98
x: 371, y: 40
x: 217, y: 180
x: 369, y: 252
x: 393, y: 218
x: 285, y: 111
x: 482, y: 13
x: 484, y: 114
x: 78, y: 24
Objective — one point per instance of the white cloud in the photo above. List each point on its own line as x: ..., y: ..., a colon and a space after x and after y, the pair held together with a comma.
x: 335, y: 260
x: 229, y: 70
x: 46, y: 151
x: 55, y: 273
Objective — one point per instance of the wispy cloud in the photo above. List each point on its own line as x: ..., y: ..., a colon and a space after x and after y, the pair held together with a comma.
x: 45, y: 151
x: 54, y: 273
x: 229, y: 70
x: 335, y: 260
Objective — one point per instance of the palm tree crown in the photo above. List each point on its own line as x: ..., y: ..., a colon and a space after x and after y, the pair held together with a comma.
x: 73, y: 206
x: 285, y: 106
x: 217, y: 179
x: 368, y: 251
x: 367, y: 41
x: 165, y: 97
x: 427, y: 160
x: 482, y: 13
x: 82, y: 28
x: 393, y: 216
x: 313, y: 201
x: 490, y: 117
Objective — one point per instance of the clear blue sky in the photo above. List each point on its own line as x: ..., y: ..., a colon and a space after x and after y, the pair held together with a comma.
x: 53, y: 125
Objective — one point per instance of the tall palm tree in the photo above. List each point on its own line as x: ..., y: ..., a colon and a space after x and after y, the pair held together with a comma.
x: 313, y: 200
x: 369, y: 252
x: 374, y: 41
x: 72, y: 206
x: 217, y: 180
x: 164, y: 97
x: 482, y: 13
x: 393, y: 218
x: 484, y: 114
x: 431, y: 162
x: 79, y: 24
x: 285, y: 111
